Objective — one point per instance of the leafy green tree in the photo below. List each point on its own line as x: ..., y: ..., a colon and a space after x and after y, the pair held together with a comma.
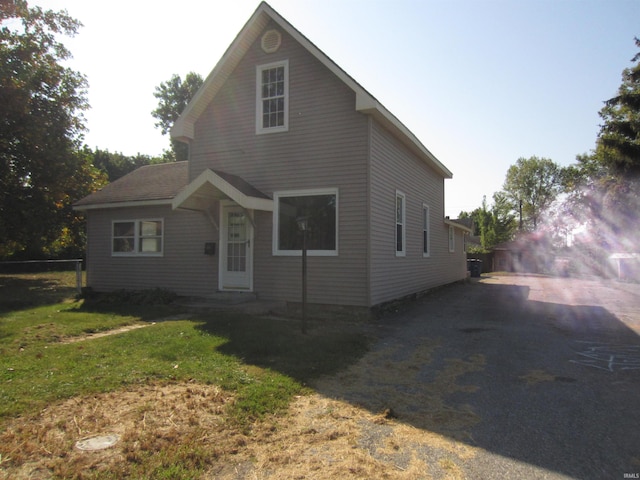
x: 502, y: 224
x: 493, y: 225
x: 173, y: 96
x: 530, y: 187
x: 116, y: 165
x: 41, y: 125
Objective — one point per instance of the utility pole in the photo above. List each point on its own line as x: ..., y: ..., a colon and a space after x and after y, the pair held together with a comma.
x: 520, y: 214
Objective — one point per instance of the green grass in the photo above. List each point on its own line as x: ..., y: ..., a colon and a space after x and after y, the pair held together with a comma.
x: 263, y: 361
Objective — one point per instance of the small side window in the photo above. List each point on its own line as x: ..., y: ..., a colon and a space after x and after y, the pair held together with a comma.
x: 400, y: 224
x: 137, y: 237
x: 426, y: 241
x: 452, y: 240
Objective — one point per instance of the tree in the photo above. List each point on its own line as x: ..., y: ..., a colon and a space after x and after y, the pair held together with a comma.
x: 619, y: 139
x: 494, y: 225
x: 41, y: 127
x: 173, y: 96
x: 603, y: 188
x: 116, y: 165
x: 531, y: 186
x: 501, y: 225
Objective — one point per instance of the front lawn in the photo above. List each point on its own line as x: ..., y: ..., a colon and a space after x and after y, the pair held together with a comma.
x: 259, y: 362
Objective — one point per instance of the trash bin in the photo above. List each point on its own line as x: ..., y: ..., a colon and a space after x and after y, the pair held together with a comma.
x: 474, y: 266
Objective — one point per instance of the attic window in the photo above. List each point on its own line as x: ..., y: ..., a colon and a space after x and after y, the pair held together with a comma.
x: 271, y: 41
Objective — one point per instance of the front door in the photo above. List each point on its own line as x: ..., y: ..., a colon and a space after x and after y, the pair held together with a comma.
x: 236, y: 261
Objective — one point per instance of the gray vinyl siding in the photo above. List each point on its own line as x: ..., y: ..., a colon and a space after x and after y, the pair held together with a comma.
x: 183, y: 268
x: 394, y: 167
x: 325, y: 147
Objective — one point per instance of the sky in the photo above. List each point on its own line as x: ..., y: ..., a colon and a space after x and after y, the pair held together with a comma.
x: 480, y: 83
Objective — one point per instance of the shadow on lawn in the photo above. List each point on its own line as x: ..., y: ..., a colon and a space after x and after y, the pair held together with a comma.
x: 25, y: 291
x: 278, y: 344
x: 551, y: 385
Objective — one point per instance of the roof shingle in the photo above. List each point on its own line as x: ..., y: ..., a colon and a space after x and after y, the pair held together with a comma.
x: 148, y: 183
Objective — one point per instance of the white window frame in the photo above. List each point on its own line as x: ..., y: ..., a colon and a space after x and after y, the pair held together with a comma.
x: 276, y: 215
x: 401, y: 222
x: 259, y: 69
x: 138, y: 237
x: 452, y: 239
x: 426, y: 230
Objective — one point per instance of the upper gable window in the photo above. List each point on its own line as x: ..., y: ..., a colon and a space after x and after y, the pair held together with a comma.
x: 272, y: 97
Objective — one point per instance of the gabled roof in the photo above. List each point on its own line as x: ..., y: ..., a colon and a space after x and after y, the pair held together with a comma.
x: 214, y: 184
x: 183, y: 128
x: 166, y: 184
x: 147, y: 185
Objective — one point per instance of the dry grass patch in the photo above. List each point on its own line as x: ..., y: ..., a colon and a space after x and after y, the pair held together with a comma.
x: 323, y: 438
x: 181, y: 423
x: 180, y: 431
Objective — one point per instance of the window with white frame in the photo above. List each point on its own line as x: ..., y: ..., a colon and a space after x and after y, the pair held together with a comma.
x: 320, y: 209
x: 426, y: 241
x: 137, y: 237
x: 272, y: 97
x: 400, y: 224
x: 452, y: 239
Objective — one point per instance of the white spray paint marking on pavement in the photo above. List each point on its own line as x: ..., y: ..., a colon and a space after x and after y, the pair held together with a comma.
x: 609, y: 357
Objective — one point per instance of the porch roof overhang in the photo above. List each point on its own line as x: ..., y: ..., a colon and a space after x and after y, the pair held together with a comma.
x: 212, y: 185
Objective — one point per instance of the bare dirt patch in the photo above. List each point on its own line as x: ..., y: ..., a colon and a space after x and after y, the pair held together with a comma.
x: 107, y: 333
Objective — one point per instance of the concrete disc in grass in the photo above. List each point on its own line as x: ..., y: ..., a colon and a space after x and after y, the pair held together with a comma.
x: 98, y: 442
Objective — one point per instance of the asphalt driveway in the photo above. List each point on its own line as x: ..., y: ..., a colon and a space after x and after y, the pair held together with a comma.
x: 540, y: 376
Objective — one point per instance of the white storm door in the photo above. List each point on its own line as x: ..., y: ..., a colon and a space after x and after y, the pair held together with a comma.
x: 236, y: 260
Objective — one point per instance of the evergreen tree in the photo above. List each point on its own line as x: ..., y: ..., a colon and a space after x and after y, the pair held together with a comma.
x: 604, y: 186
x: 619, y: 139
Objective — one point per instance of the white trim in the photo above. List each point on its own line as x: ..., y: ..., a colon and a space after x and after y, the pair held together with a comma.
x: 183, y: 127
x: 403, y: 252
x: 259, y: 69
x: 209, y: 176
x: 426, y: 227
x: 134, y: 203
x: 137, y: 237
x: 222, y: 257
x: 303, y: 193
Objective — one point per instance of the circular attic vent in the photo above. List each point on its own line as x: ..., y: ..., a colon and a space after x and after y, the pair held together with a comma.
x: 271, y: 41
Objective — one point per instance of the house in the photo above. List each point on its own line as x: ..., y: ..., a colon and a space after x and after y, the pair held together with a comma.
x: 626, y: 266
x: 278, y: 131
